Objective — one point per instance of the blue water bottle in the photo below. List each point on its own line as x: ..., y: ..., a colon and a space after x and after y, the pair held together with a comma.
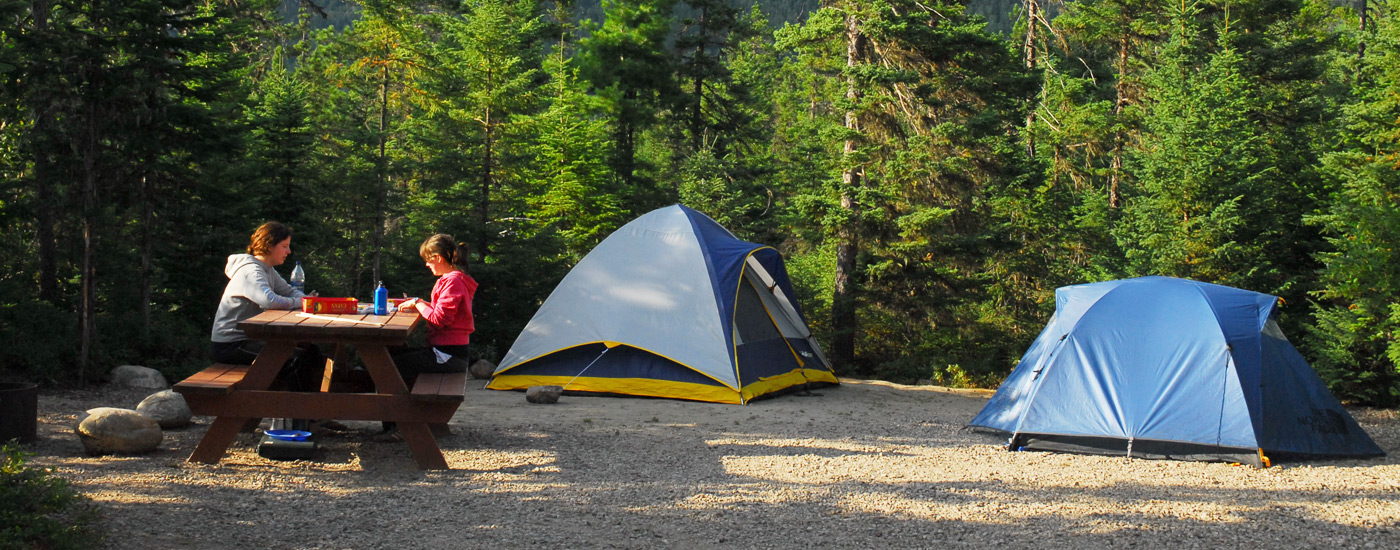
x: 381, y: 300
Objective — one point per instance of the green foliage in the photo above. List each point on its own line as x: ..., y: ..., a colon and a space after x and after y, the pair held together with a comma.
x: 1201, y: 183
x: 48, y: 335
x: 571, y: 191
x: 811, y: 272
x: 40, y: 510
x: 1354, y: 332
x: 626, y: 60
x: 949, y: 178
x: 936, y: 99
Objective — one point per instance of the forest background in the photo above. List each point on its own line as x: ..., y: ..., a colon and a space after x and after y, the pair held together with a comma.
x: 930, y: 179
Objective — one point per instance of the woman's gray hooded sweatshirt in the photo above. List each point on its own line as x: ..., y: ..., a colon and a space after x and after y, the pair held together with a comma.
x: 253, y: 287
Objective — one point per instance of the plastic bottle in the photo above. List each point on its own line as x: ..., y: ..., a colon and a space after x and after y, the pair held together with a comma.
x: 299, y: 278
x: 381, y: 300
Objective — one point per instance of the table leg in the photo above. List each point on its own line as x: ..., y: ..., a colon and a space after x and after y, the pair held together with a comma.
x: 217, y: 440
x: 387, y: 380
x: 336, y: 358
x: 423, y: 445
x: 267, y: 364
x: 381, y: 368
x: 225, y: 429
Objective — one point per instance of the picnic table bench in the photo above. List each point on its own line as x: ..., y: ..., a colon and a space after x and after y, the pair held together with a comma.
x: 241, y: 395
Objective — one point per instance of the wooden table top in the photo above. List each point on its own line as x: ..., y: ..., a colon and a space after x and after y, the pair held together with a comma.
x: 391, y: 329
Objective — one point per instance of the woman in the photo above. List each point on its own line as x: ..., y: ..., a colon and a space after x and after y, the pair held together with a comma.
x: 254, y: 287
x: 448, y: 314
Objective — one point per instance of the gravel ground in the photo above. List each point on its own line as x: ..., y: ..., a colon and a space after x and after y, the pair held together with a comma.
x: 864, y: 465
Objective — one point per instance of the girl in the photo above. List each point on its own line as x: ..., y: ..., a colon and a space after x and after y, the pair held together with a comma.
x: 448, y: 313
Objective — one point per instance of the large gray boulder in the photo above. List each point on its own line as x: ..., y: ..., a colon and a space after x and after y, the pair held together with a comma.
x: 134, y: 376
x: 167, y: 408
x: 108, y: 430
x: 482, y: 369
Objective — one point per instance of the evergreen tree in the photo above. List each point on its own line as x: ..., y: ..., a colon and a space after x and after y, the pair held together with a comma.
x: 573, y: 195
x: 1110, y: 41
x: 1355, y: 323
x: 925, y: 89
x: 1203, y: 176
x: 362, y: 82
x: 491, y: 48
x: 627, y: 61
x: 724, y: 166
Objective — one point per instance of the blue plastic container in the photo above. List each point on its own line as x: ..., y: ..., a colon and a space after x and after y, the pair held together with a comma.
x: 288, y: 435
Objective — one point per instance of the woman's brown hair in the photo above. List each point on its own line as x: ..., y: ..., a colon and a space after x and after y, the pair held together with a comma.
x: 442, y: 245
x: 266, y: 237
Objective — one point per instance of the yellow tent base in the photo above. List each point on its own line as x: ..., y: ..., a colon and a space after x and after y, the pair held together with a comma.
x: 786, y: 380
x: 646, y: 387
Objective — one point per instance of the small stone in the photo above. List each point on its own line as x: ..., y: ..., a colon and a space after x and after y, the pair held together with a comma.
x: 543, y: 394
x: 135, y: 376
x: 167, y: 408
x: 109, y: 430
x: 482, y: 369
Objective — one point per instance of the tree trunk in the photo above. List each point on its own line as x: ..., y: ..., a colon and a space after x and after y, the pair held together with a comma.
x: 1365, y: 13
x: 147, y: 219
x: 696, y: 113
x: 43, y: 165
x: 843, y: 307
x: 697, y: 119
x: 1121, y: 91
x: 380, y: 194
x: 1032, y: 16
x: 483, y: 207
x: 44, y: 233
x: 88, y: 325
x: 626, y: 155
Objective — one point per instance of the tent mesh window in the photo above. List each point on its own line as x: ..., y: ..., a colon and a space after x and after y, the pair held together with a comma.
x: 751, y: 320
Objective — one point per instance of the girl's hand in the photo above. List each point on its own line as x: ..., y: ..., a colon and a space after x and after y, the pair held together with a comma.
x: 409, y: 305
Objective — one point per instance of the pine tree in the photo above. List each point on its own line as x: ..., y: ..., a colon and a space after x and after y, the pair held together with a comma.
x: 924, y: 90
x: 361, y: 83
x: 1355, y: 325
x: 572, y: 192
x: 1202, y: 175
x: 1110, y: 38
x: 490, y: 50
x: 626, y: 60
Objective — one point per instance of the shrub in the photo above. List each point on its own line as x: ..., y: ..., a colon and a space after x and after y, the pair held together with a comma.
x: 39, y: 510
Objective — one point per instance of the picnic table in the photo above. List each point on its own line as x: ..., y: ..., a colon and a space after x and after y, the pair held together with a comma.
x: 242, y: 395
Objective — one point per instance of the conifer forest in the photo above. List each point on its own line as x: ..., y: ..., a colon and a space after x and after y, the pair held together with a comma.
x: 931, y: 170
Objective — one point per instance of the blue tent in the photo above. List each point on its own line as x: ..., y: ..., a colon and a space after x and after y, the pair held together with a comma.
x: 1158, y: 367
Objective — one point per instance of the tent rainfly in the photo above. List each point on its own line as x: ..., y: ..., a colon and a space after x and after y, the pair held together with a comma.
x: 1158, y: 367
x: 670, y: 305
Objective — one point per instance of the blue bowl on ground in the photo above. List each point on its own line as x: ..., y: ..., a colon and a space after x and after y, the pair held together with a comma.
x: 288, y: 435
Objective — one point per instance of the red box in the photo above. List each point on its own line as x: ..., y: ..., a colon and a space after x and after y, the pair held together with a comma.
x: 316, y: 304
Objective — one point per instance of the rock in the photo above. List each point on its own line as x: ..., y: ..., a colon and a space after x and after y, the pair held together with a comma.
x: 109, y: 430
x: 138, y: 377
x: 167, y: 408
x: 543, y: 394
x: 482, y: 369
